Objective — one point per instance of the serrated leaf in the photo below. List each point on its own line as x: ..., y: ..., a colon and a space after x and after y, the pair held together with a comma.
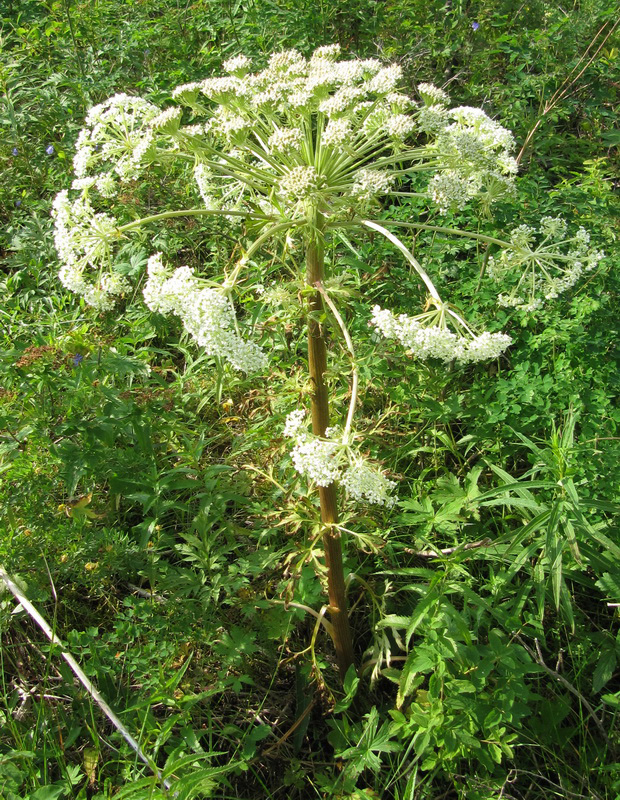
x: 609, y: 584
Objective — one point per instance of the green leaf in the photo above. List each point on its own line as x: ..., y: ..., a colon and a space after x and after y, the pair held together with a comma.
x: 611, y: 700
x: 351, y: 682
x: 609, y: 584
x: 604, y: 669
x: 415, y: 663
x: 47, y: 793
x: 421, y: 611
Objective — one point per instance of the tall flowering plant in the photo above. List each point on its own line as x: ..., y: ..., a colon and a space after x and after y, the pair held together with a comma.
x: 298, y: 150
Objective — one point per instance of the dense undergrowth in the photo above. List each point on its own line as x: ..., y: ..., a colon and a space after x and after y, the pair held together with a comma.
x: 148, y: 506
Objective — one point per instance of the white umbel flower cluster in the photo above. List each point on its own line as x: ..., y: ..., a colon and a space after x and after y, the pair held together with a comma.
x: 206, y: 313
x: 299, y: 183
x: 437, y: 341
x: 337, y: 132
x: 315, y: 459
x: 322, y: 131
x: 304, y: 126
x: 326, y: 460
x: 119, y: 134
x: 542, y: 264
x: 83, y: 239
x: 285, y: 139
x: 363, y: 482
x: 473, y: 152
x: 432, y: 95
x: 204, y: 178
x: 371, y: 182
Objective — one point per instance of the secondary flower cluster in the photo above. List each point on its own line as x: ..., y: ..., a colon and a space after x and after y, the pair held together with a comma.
x: 436, y: 340
x: 326, y: 460
x: 83, y: 240
x: 543, y: 263
x: 115, y: 142
x: 206, y: 312
x: 475, y: 154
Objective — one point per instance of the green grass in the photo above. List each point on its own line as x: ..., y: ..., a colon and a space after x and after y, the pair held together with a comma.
x: 149, y: 509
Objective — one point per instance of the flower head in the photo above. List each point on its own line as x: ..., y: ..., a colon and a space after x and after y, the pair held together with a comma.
x: 325, y: 460
x: 542, y: 263
x: 364, y: 482
x: 206, y: 313
x: 427, y: 336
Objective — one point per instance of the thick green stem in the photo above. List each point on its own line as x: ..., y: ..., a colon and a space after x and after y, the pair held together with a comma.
x: 317, y: 365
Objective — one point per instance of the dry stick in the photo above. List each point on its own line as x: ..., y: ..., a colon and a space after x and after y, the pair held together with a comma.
x: 292, y: 729
x: 447, y: 551
x: 317, y: 366
x: 564, y: 88
x: 78, y: 672
x: 538, y: 658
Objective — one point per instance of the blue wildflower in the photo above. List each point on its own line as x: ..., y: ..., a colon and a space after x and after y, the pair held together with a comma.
x: 50, y: 150
x: 475, y: 26
x: 18, y: 203
x: 77, y: 359
x: 15, y: 151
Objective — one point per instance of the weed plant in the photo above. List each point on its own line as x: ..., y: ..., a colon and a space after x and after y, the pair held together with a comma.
x: 147, y: 504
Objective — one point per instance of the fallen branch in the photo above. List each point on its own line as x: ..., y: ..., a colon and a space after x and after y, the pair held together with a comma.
x: 78, y: 672
x: 538, y: 658
x: 447, y: 551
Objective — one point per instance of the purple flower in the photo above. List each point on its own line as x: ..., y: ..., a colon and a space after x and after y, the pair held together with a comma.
x: 15, y: 151
x: 18, y: 203
x: 77, y: 359
x: 475, y: 26
x: 50, y: 150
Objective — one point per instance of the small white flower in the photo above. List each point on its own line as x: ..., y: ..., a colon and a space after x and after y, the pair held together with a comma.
x: 452, y: 190
x: 433, y: 341
x: 186, y: 91
x: 204, y: 176
x: 207, y: 314
x: 106, y: 185
x: 337, y: 132
x: 399, y: 125
x: 363, y: 482
x: 293, y: 423
x: 79, y: 184
x: 432, y: 95
x: 237, y: 64
x: 328, y: 52
x: 315, y: 459
x: 386, y: 79
x: 369, y: 183
x: 299, y: 182
x: 554, y: 227
x: 284, y: 140
x: 432, y: 119
x: 168, y: 121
